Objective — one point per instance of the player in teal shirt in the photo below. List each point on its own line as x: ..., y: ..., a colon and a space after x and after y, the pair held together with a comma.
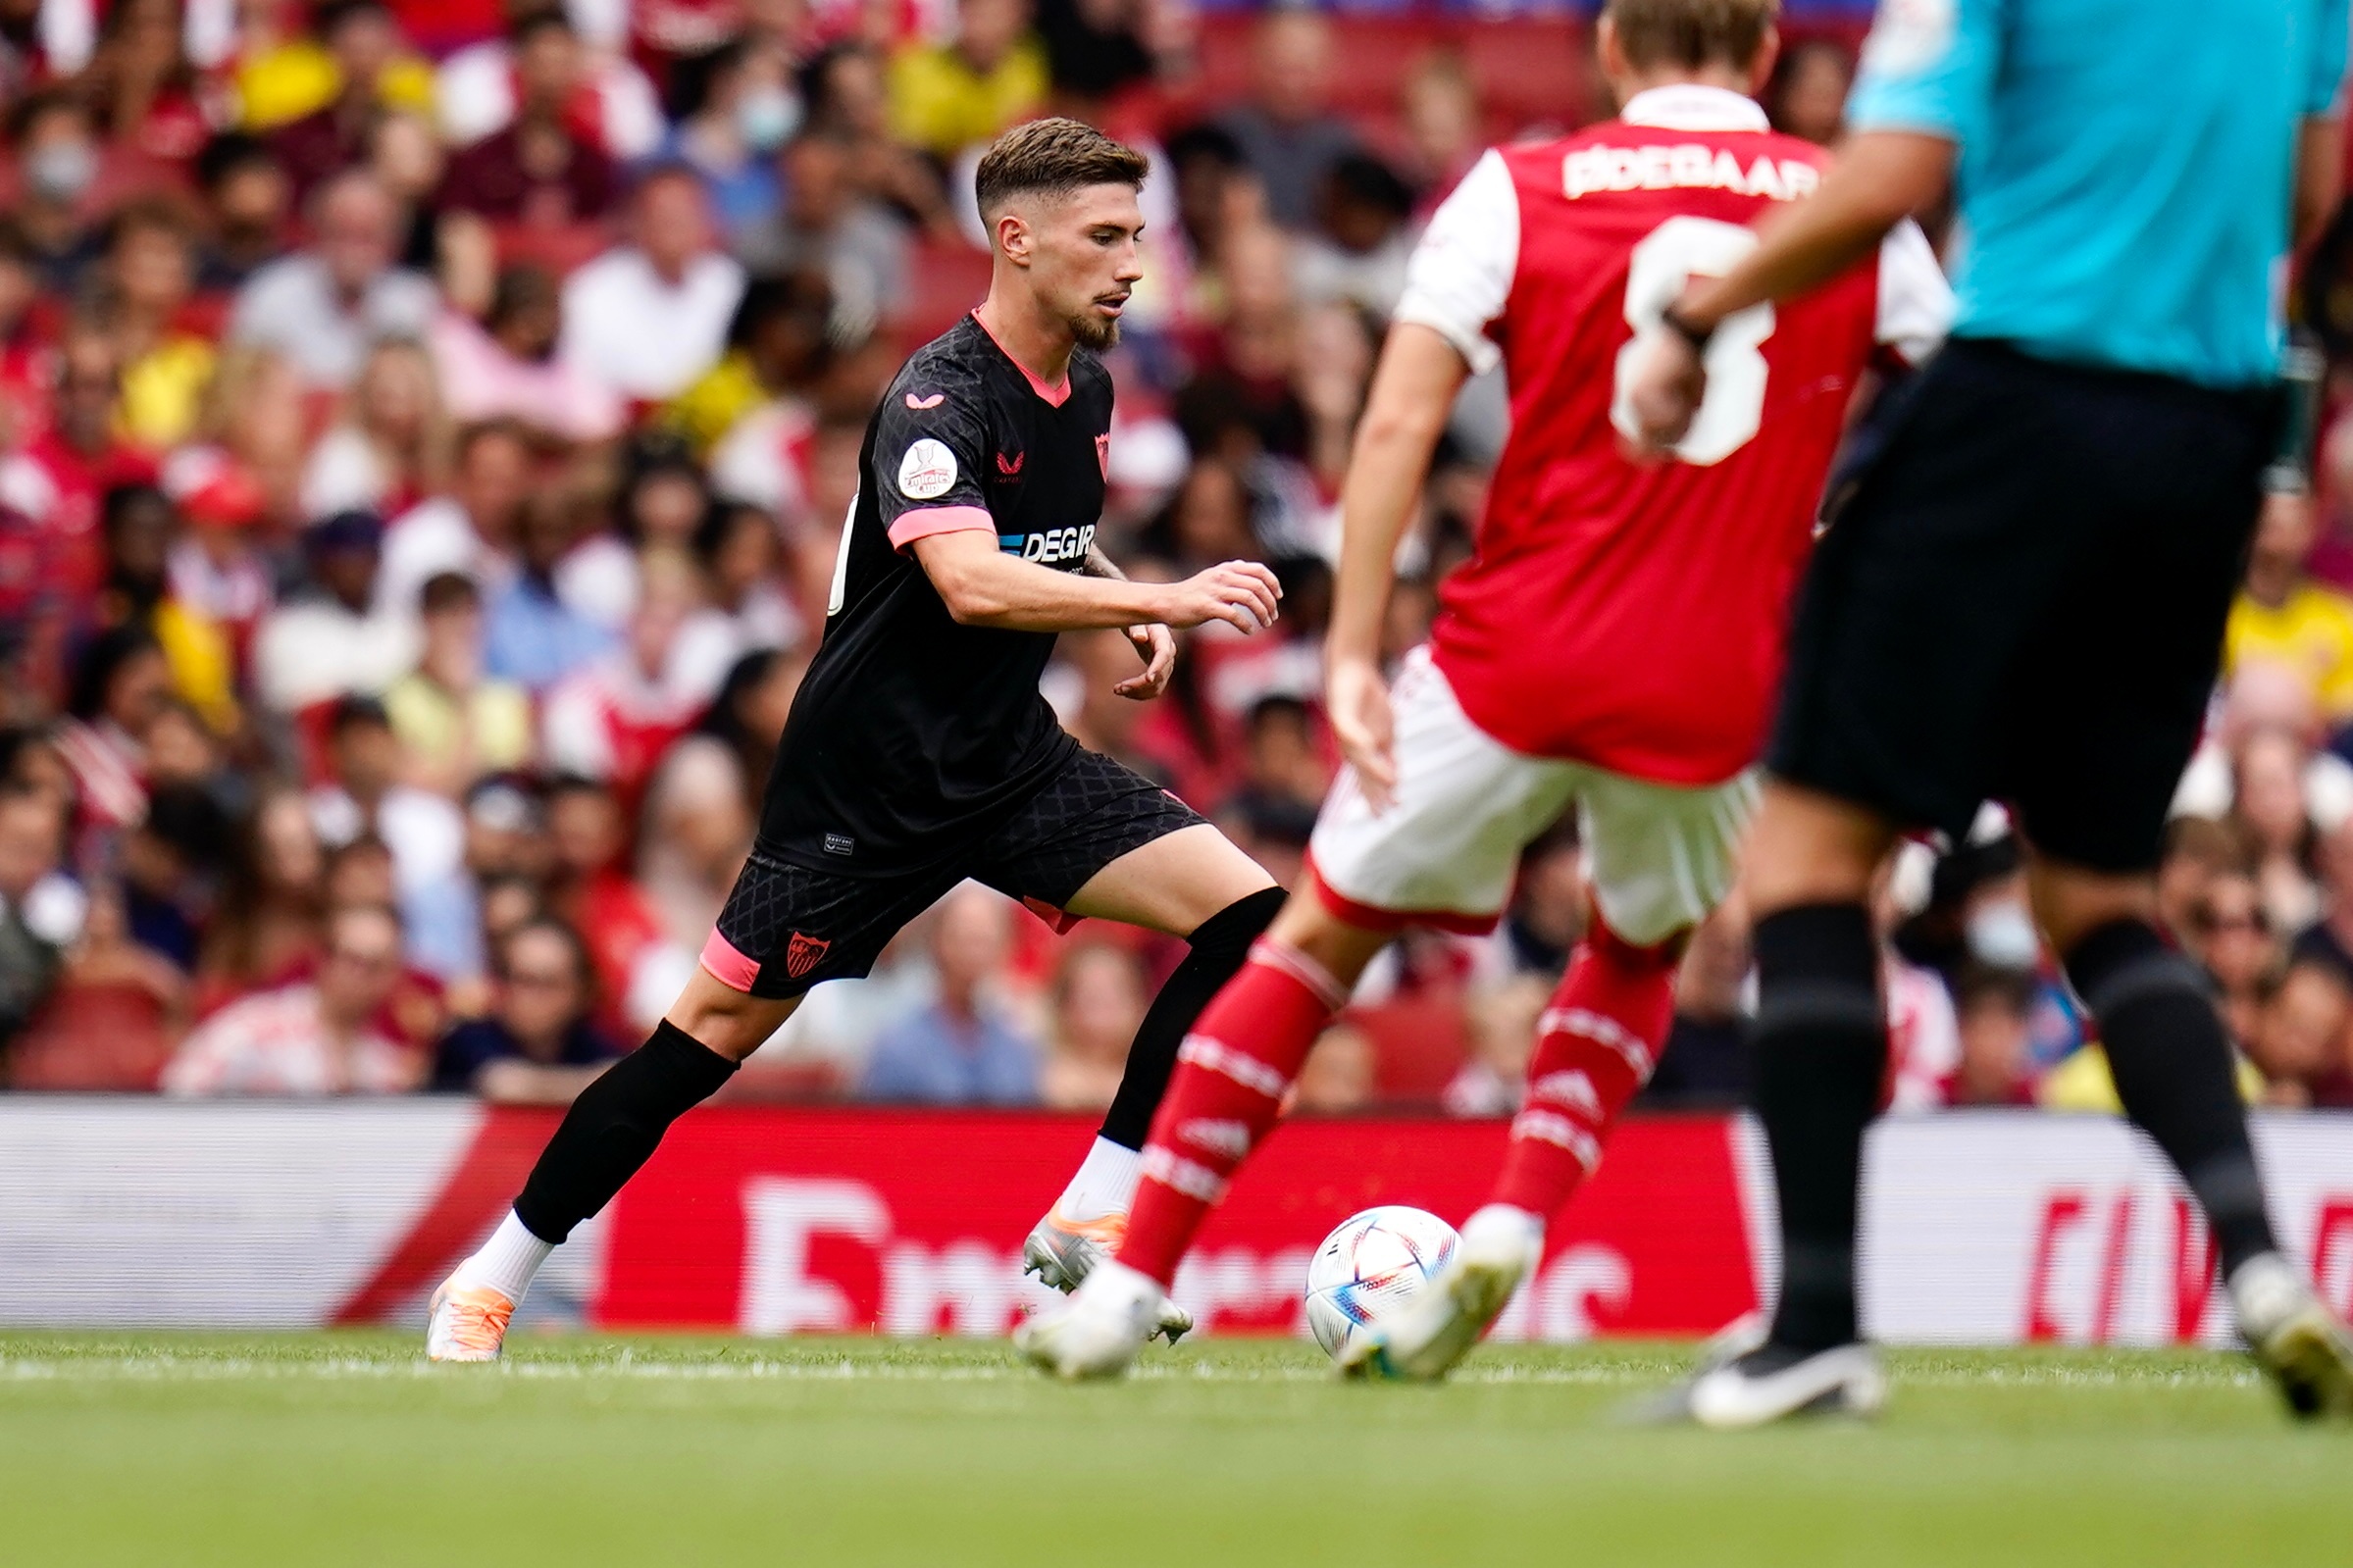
x: 2021, y: 594
x: 2124, y: 165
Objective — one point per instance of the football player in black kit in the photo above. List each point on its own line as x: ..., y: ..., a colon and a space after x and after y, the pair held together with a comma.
x: 919, y: 752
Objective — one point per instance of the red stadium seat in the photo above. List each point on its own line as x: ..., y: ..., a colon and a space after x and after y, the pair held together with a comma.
x: 944, y: 279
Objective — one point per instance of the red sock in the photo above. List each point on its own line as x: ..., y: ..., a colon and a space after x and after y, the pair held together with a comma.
x: 1232, y: 1074
x: 1595, y: 1046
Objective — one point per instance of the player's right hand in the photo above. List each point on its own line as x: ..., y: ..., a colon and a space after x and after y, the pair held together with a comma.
x: 1357, y: 700
x: 1241, y: 594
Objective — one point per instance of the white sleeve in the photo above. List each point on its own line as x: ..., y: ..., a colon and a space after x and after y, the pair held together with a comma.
x: 1460, y: 274
x: 1916, y: 303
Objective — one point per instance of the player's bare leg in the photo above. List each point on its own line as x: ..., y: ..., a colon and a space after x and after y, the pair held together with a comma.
x: 1230, y: 1078
x: 610, y: 1131
x: 1193, y: 883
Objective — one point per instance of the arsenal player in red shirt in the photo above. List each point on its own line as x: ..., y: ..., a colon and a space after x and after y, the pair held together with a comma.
x: 1611, y: 646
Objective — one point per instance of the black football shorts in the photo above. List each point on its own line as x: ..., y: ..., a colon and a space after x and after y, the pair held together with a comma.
x: 2022, y: 599
x: 787, y: 928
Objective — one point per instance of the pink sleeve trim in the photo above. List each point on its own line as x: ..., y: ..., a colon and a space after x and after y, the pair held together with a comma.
x: 727, y: 965
x: 925, y: 520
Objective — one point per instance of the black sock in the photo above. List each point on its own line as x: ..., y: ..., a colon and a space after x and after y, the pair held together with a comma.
x: 2172, y: 1064
x: 612, y: 1129
x: 1219, y: 945
x: 1821, y: 1054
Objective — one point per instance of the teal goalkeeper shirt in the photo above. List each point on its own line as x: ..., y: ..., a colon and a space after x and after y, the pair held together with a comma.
x: 2125, y: 166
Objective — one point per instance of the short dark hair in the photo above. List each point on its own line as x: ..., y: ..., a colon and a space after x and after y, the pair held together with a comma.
x: 1691, y: 33
x: 583, y: 962
x: 355, y: 710
x: 1053, y: 157
x: 230, y: 153
x: 447, y: 590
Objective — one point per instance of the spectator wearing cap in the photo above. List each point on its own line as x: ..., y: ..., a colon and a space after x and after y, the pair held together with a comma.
x: 454, y: 723
x: 312, y: 1037
x: 333, y: 642
x: 213, y: 568
x: 507, y: 369
x: 360, y: 62
x: 538, y: 1044
x: 547, y: 167
x: 325, y: 305
x: 649, y: 317
x: 945, y: 97
x: 1286, y: 129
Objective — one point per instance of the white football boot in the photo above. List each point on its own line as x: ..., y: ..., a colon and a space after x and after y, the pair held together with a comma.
x: 1100, y: 1330
x: 467, y: 1322
x: 1500, y: 1246
x: 1746, y: 1381
x: 2294, y: 1337
x: 1063, y: 1252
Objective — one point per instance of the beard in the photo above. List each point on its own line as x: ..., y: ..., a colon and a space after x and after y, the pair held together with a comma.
x: 1093, y: 332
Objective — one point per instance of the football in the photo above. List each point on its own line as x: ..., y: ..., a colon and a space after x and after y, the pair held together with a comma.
x: 1370, y: 1268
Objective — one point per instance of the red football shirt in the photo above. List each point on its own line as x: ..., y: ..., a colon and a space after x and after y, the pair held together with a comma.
x: 1633, y: 616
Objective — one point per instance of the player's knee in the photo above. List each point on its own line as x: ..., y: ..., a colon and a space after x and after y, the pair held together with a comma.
x: 1659, y: 952
x: 732, y: 1022
x: 1239, y: 924
x: 1343, y: 949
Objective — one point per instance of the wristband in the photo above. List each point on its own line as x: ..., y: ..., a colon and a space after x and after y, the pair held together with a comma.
x: 1675, y: 321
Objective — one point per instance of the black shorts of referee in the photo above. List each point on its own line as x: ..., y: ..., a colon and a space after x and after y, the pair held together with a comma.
x: 2022, y: 598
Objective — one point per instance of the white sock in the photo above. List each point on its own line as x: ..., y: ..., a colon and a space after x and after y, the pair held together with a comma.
x: 507, y: 1260
x: 1106, y: 1182
x: 1501, y: 1225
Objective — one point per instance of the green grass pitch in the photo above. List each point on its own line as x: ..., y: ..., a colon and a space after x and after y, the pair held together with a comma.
x: 348, y: 1449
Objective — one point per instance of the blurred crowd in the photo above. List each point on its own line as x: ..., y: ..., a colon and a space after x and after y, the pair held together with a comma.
x: 425, y: 435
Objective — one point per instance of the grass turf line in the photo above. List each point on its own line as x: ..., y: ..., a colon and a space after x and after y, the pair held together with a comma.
x: 345, y: 1448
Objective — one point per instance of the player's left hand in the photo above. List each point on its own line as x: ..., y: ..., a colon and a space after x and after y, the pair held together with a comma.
x: 1664, y: 385
x: 1155, y: 645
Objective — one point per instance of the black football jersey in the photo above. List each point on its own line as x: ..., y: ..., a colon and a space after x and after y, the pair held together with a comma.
x: 912, y: 732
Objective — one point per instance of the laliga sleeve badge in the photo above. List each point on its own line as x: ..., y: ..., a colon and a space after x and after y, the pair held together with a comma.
x: 928, y: 470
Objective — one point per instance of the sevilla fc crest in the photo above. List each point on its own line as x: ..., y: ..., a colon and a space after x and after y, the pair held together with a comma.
x: 802, y: 955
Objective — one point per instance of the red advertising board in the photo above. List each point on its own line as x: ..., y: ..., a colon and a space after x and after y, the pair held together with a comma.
x: 911, y: 1221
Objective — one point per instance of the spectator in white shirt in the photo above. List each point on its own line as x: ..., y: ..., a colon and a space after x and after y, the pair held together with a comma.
x: 649, y: 317
x: 334, y: 642
x: 323, y: 307
x: 314, y: 1037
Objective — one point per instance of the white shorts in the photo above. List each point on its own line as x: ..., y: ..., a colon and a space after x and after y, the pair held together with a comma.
x: 1659, y: 857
